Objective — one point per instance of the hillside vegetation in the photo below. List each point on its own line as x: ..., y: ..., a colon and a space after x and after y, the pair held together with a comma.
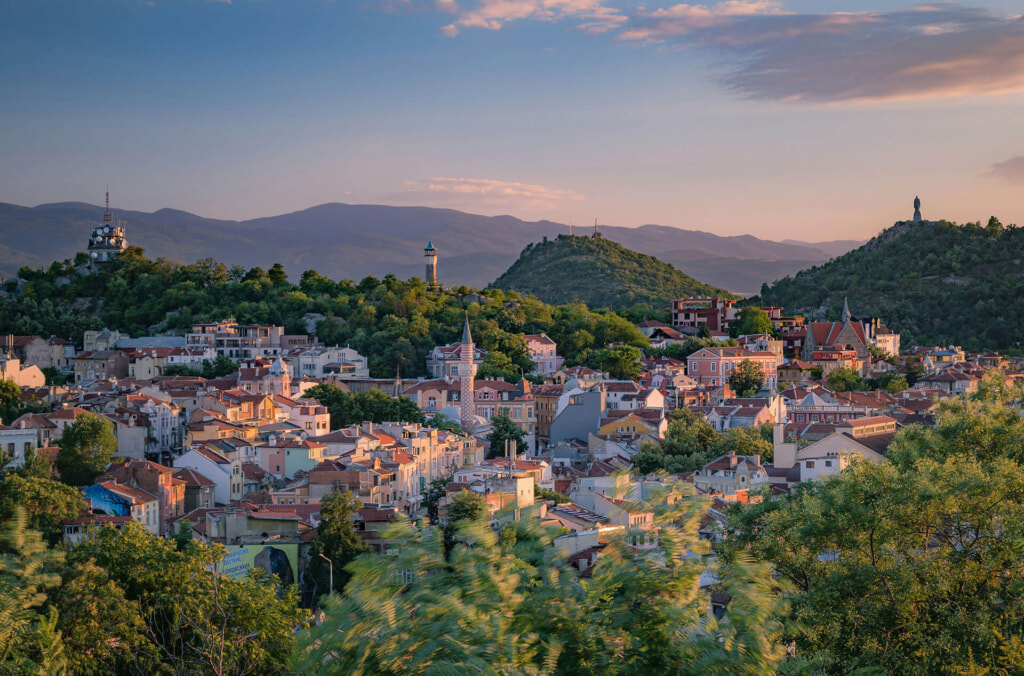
x: 935, y: 283
x: 394, y: 323
x: 600, y: 273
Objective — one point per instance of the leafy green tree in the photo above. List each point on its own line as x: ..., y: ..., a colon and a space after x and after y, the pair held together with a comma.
x: 277, y: 275
x: 46, y: 503
x: 504, y: 603
x: 752, y: 321
x: 542, y: 494
x: 621, y: 363
x: 503, y: 431
x: 200, y: 621
x: 86, y: 448
x: 103, y: 632
x: 443, y: 422
x: 351, y: 408
x: 465, y: 507
x: 648, y: 459
x: 901, y: 570
x: 844, y: 380
x: 337, y: 539
x: 896, y: 385
x: 747, y: 378
x: 10, y: 400
x: 434, y: 494
x: 30, y: 642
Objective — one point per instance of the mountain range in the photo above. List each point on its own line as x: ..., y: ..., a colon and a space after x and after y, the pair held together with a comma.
x: 355, y: 240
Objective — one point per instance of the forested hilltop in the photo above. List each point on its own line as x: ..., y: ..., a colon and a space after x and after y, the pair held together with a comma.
x: 935, y: 283
x: 600, y: 273
x: 394, y: 323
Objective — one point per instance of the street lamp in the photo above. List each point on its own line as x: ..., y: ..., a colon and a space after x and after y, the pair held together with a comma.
x: 331, y: 564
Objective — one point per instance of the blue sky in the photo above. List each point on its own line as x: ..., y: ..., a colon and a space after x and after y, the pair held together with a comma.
x: 815, y: 119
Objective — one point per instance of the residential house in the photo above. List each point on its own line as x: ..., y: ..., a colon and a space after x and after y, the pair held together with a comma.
x: 694, y: 313
x: 15, y: 444
x: 156, y: 480
x: 543, y: 353
x: 443, y: 361
x: 199, y: 491
x: 114, y: 499
x: 730, y: 473
x: 714, y: 365
x: 100, y: 365
x: 226, y: 474
x: 12, y: 369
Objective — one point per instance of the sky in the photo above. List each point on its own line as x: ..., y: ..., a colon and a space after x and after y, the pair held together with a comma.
x: 805, y: 119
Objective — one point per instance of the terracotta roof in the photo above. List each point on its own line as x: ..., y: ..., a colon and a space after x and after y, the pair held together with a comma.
x: 136, y: 495
x: 192, y: 478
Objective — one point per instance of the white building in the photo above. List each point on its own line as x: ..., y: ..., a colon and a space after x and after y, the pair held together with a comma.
x: 225, y: 474
x: 543, y: 353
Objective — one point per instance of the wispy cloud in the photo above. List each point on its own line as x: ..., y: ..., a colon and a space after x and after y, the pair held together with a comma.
x: 926, y: 52
x: 591, y: 15
x: 482, y: 193
x: 1011, y: 170
x: 767, y: 52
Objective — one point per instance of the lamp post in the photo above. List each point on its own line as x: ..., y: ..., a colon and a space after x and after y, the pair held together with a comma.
x: 331, y: 564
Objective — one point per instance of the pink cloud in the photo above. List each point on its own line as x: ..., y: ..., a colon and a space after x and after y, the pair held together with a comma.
x: 482, y: 193
x: 593, y: 15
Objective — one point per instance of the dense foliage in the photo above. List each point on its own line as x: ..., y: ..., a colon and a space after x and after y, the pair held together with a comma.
x: 936, y: 284
x: 691, y: 442
x: 600, y: 273
x: 336, y: 543
x: 394, y: 323
x: 353, y: 408
x: 503, y: 603
x: 86, y: 448
x: 912, y: 566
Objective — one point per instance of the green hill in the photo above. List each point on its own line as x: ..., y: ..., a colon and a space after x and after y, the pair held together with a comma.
x: 936, y: 283
x: 600, y: 273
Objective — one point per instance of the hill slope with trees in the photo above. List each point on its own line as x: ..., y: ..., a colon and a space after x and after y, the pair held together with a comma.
x: 394, y: 323
x: 935, y: 283
x: 600, y: 273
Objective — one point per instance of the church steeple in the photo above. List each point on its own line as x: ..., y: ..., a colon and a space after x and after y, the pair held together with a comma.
x: 846, y: 311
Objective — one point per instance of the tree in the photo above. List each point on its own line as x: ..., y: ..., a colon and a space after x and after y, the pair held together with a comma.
x: 29, y: 640
x: 908, y: 570
x: 844, y: 380
x: 747, y: 378
x: 752, y: 321
x: 621, y: 363
x: 352, y: 408
x: 466, y: 507
x: 103, y: 632
x: 46, y: 503
x: 503, y: 431
x: 86, y: 448
x: 10, y: 401
x: 507, y: 603
x: 442, y: 422
x: 337, y: 539
x: 277, y: 275
x: 200, y: 621
x: 436, y: 490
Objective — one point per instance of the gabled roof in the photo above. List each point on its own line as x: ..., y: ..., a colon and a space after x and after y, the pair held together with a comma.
x: 192, y: 478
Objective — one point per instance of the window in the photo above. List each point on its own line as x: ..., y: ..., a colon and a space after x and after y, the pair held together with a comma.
x: 828, y: 463
x: 810, y: 464
x: 714, y: 366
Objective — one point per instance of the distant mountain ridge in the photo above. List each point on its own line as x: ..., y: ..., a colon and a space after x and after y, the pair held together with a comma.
x: 599, y: 272
x: 355, y: 240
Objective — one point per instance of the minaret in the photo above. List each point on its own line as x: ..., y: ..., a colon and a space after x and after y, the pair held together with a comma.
x: 430, y: 253
x: 917, y: 209
x: 467, y: 370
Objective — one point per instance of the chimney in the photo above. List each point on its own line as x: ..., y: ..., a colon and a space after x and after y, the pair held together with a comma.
x: 757, y: 459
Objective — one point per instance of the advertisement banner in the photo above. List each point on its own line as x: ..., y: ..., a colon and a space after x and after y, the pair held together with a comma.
x: 277, y: 559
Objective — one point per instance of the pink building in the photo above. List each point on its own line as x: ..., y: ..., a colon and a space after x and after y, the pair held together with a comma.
x: 713, y: 365
x: 543, y: 352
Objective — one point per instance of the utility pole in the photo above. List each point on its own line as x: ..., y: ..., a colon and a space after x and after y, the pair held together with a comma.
x: 331, y: 564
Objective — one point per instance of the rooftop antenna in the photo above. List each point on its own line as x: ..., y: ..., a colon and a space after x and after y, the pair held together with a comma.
x: 106, y: 214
